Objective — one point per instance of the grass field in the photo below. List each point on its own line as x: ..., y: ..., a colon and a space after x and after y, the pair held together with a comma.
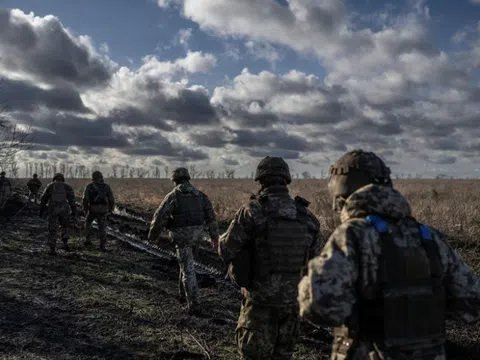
x: 452, y: 206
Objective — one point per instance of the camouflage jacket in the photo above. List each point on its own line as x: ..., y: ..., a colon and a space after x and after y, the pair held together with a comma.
x: 91, y: 191
x: 5, y: 184
x: 328, y: 293
x: 249, y: 221
x: 34, y: 184
x: 54, y: 209
x: 185, y: 236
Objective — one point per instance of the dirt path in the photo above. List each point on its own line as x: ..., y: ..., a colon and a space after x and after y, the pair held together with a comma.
x: 85, y: 304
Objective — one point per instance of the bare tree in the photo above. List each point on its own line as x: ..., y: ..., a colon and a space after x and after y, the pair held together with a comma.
x: 13, y: 138
x: 210, y: 174
x: 193, y: 171
x: 306, y: 175
x: 230, y: 173
x: 115, y: 171
x: 167, y: 174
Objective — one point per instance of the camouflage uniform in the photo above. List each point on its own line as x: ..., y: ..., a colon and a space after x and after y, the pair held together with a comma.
x: 97, y: 201
x: 60, y: 199
x: 34, y: 186
x: 345, y: 277
x: 5, y: 190
x: 184, y: 212
x: 268, y: 323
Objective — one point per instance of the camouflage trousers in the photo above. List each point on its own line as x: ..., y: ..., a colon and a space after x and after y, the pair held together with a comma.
x: 102, y: 225
x: 188, y: 286
x: 266, y: 332
x: 54, y: 221
x: 33, y: 195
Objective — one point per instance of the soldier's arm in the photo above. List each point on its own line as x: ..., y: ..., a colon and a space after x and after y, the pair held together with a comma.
x: 85, y: 198
x: 327, y: 293
x: 463, y: 286
x: 240, y: 231
x: 210, y: 219
x: 316, y: 237
x: 161, y: 216
x: 111, y: 199
x: 71, y: 198
x: 45, y: 197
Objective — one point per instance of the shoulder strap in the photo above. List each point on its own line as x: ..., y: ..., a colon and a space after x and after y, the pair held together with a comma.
x: 378, y: 223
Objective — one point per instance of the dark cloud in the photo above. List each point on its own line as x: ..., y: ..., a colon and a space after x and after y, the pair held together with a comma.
x: 21, y: 96
x: 45, y: 50
x: 286, y: 154
x: 230, y: 162
x: 136, y: 117
x: 147, y: 144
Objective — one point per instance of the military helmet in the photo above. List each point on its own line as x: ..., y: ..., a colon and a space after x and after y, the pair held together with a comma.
x: 273, y: 166
x: 356, y: 169
x: 35, y: 176
x: 58, y: 176
x: 2, y: 173
x: 96, y: 175
x: 180, y: 173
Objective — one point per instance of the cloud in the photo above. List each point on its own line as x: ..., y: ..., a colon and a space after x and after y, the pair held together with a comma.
x: 21, y: 95
x: 263, y: 51
x: 184, y: 36
x: 42, y: 49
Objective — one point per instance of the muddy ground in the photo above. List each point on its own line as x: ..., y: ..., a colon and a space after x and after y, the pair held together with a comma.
x: 122, y: 304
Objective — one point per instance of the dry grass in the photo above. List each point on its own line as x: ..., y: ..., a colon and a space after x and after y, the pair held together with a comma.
x: 452, y: 206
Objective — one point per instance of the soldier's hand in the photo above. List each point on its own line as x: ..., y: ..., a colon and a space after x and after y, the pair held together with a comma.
x: 215, y: 243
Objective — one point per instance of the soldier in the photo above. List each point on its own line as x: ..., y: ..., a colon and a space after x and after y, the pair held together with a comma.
x: 184, y: 212
x: 5, y: 190
x: 383, y: 280
x: 97, y: 201
x: 61, y: 205
x: 34, y: 185
x: 267, y: 247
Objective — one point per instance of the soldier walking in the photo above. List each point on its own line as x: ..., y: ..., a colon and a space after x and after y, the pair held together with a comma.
x: 5, y: 190
x: 384, y: 280
x: 34, y: 186
x: 60, y: 199
x: 267, y: 247
x: 184, y: 212
x: 97, y: 202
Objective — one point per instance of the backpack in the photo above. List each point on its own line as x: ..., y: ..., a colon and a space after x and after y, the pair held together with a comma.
x: 99, y: 196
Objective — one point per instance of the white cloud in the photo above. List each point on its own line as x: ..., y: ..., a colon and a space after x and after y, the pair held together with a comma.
x: 184, y: 36
x: 263, y: 51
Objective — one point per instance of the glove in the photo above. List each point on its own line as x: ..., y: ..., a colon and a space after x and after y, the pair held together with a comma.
x: 215, y: 243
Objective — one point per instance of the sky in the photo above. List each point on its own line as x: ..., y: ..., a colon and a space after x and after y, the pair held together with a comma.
x: 223, y: 83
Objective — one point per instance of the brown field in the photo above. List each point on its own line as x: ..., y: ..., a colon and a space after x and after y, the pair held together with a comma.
x: 452, y: 206
x: 122, y: 304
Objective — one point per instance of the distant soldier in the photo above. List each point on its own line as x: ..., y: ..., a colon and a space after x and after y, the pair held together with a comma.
x: 384, y: 281
x: 60, y: 199
x: 97, y: 201
x: 184, y: 212
x: 34, y: 185
x: 5, y: 190
x: 267, y: 247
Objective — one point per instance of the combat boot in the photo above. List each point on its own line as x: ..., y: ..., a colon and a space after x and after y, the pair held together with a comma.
x: 65, y: 245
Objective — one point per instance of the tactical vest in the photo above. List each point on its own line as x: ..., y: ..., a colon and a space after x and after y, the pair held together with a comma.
x: 409, y: 305
x: 59, y: 194
x: 188, y: 212
x: 282, y: 248
x: 98, y: 194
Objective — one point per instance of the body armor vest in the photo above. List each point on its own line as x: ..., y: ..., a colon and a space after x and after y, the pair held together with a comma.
x: 409, y: 304
x: 98, y: 194
x: 59, y: 193
x: 282, y: 247
x: 188, y: 212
